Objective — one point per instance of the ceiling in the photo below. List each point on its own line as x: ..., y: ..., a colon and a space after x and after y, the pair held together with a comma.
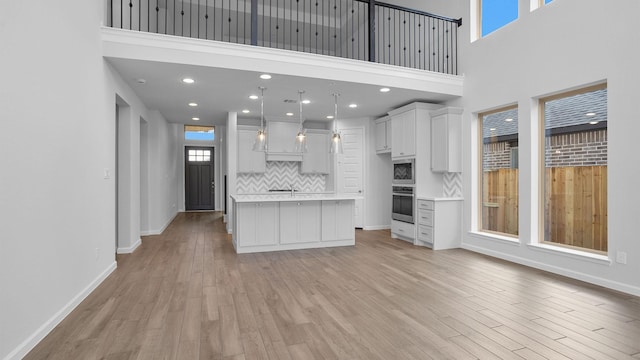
x: 218, y: 91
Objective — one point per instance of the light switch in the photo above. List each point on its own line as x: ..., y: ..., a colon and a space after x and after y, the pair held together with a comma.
x: 107, y: 173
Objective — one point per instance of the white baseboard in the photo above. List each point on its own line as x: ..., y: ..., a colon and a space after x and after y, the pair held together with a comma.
x: 33, y: 340
x: 377, y: 227
x: 626, y: 288
x: 161, y: 230
x: 130, y: 249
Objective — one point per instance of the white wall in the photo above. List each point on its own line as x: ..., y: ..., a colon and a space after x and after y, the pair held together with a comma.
x: 58, y: 231
x: 564, y: 45
x: 56, y: 138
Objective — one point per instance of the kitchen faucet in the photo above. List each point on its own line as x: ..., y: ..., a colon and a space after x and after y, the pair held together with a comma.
x: 292, y: 190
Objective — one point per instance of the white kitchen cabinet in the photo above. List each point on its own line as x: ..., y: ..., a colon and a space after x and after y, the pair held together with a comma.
x: 403, y: 134
x: 249, y: 161
x: 300, y: 222
x: 439, y: 223
x: 446, y: 140
x: 281, y: 136
x: 260, y: 223
x: 337, y: 220
x: 383, y: 135
x: 316, y: 159
x: 403, y: 230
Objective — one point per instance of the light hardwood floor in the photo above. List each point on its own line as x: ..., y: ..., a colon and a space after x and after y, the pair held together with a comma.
x: 185, y: 294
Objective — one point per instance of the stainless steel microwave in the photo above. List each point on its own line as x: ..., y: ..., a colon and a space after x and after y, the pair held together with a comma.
x: 404, y: 171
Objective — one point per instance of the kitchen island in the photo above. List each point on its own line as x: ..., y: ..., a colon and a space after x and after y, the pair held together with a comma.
x: 274, y: 222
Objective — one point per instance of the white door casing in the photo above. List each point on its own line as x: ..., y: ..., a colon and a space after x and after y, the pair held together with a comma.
x: 351, y: 169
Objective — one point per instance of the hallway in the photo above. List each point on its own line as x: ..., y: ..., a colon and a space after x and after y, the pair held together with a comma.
x: 185, y: 294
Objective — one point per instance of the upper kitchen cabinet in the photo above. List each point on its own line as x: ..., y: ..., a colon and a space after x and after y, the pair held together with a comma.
x: 403, y: 134
x: 249, y: 161
x: 316, y: 159
x: 446, y: 140
x: 383, y: 135
x: 281, y: 137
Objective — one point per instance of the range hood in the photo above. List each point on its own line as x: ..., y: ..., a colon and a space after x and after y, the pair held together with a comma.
x: 283, y: 156
x: 280, y: 141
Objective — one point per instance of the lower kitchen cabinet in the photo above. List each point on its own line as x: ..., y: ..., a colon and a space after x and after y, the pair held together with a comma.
x: 260, y: 223
x: 337, y: 220
x: 279, y: 222
x: 403, y: 230
x: 299, y: 222
x: 439, y: 223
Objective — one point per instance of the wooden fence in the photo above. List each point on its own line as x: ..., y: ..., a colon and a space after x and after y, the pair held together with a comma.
x: 575, y: 205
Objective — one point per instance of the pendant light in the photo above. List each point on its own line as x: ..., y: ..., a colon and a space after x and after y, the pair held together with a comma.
x: 261, y: 138
x: 335, y: 147
x: 301, y: 137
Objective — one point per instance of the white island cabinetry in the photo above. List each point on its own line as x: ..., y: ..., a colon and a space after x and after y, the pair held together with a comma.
x: 299, y: 222
x: 284, y: 222
x: 337, y: 220
x: 261, y: 225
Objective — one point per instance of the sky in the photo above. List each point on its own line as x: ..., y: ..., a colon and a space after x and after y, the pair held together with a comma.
x: 497, y: 13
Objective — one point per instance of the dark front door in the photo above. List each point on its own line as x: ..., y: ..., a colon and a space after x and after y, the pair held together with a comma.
x: 199, y: 179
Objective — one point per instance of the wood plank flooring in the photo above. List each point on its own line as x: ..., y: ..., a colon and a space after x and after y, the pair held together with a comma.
x: 185, y: 294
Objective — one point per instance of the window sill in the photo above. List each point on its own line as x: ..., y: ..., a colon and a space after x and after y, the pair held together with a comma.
x: 492, y: 236
x: 576, y: 254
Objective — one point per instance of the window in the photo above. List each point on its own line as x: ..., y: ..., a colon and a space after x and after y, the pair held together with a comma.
x: 199, y: 155
x: 204, y: 133
x: 574, y: 176
x: 495, y: 14
x: 499, y: 176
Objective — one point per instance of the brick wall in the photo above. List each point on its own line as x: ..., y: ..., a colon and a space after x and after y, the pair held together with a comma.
x: 586, y: 148
x: 496, y: 156
x: 577, y: 149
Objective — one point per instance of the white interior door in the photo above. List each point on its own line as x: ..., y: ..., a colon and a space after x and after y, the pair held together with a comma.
x: 351, y: 169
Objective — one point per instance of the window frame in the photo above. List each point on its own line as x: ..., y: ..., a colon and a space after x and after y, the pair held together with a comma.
x: 480, y: 186
x: 542, y: 169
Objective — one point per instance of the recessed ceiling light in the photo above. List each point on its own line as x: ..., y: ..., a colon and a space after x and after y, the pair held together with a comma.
x: 195, y: 118
x: 492, y: 129
x: 265, y: 76
x: 245, y: 111
x: 353, y: 106
x: 141, y: 81
x: 329, y: 116
x: 253, y: 97
x: 188, y: 81
x: 306, y: 101
x: 289, y: 114
x: 508, y: 119
x: 593, y: 122
x: 385, y: 90
x: 590, y: 114
x: 193, y: 104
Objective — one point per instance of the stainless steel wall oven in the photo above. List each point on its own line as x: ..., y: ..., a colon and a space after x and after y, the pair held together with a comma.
x: 403, y: 204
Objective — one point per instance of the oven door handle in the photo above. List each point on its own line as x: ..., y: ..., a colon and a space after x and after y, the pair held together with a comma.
x: 398, y: 194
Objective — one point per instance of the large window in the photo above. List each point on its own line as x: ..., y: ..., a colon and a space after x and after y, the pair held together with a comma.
x: 574, y: 173
x: 495, y: 14
x: 499, y: 149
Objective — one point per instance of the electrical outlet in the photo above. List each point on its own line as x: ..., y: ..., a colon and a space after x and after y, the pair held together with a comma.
x: 621, y: 257
x: 97, y: 253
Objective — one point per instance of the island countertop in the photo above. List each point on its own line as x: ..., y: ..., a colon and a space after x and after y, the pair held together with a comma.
x: 286, y: 197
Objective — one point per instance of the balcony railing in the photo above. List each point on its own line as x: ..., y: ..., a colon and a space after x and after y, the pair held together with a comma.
x: 355, y: 29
